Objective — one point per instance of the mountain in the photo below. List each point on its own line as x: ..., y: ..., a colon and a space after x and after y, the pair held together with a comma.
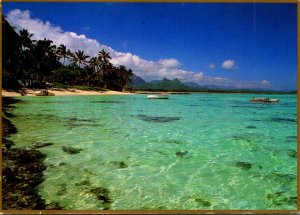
x: 164, y: 85
x: 135, y: 80
x: 195, y: 85
x: 176, y: 85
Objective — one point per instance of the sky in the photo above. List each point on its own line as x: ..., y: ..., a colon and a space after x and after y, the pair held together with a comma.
x: 244, y: 45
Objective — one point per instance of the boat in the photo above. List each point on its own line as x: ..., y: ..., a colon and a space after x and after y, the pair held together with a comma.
x: 264, y: 100
x: 158, y: 96
x: 44, y: 93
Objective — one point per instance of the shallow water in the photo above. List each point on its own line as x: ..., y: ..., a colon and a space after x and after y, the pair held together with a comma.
x: 199, y: 151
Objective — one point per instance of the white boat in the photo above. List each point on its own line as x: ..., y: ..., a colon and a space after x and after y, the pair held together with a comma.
x: 158, y: 96
x: 44, y: 93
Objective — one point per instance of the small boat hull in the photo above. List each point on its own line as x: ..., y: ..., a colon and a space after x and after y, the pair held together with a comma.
x: 158, y: 96
x: 264, y: 100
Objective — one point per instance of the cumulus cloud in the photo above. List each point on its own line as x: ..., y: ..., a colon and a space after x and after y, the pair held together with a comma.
x: 147, y: 69
x: 229, y: 64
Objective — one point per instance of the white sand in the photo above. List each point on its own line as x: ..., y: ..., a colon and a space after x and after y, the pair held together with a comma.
x: 64, y: 92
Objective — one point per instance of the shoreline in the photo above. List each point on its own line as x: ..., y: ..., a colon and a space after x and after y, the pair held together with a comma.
x: 63, y: 92
x: 77, y: 92
x: 22, y: 169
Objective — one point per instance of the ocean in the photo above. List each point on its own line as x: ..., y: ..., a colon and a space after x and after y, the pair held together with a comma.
x: 190, y: 152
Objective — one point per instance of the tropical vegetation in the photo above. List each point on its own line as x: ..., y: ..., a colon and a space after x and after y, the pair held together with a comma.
x: 38, y: 63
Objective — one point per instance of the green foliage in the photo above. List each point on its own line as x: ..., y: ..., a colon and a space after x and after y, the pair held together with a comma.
x: 165, y: 85
x: 38, y: 62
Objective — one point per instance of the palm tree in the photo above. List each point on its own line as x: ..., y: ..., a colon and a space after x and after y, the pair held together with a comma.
x: 104, y: 56
x: 79, y: 58
x: 62, y: 52
x: 94, y: 64
x: 26, y: 41
x: 124, y: 76
x: 45, y: 58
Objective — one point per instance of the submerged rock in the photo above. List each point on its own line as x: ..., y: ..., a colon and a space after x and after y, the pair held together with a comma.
x: 7, y: 143
x: 292, y: 137
x: 281, y: 198
x: 175, y: 141
x: 278, y: 119
x: 204, y: 203
x: 245, y: 137
x: 71, y: 150
x: 251, y: 127
x: 102, y: 195
x: 282, y: 176
x: 156, y: 119
x: 22, y: 170
x: 7, y: 127
x: 181, y: 153
x: 53, y: 206
x: 73, y: 122
x: 83, y: 183
x: 292, y: 153
x: 119, y: 164
x: 40, y: 145
x: 243, y: 165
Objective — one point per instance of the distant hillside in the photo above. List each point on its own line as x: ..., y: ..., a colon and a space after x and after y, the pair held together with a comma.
x: 164, y: 85
x: 135, y: 80
x: 176, y: 85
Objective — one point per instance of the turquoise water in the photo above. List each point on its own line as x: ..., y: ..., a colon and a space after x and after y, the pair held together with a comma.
x: 199, y: 151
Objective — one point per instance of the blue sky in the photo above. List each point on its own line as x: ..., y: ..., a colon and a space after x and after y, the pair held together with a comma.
x: 238, y: 44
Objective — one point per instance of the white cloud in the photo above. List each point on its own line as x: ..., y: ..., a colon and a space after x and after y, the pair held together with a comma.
x: 229, y: 64
x: 211, y: 66
x: 147, y: 69
x: 264, y: 82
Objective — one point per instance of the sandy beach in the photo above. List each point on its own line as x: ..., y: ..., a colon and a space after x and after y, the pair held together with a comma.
x: 64, y: 92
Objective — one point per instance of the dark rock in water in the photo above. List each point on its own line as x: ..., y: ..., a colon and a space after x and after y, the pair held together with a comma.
x: 71, y: 150
x: 282, y: 176
x: 119, y: 164
x: 40, y: 145
x: 281, y: 198
x: 22, y: 170
x: 7, y: 127
x: 156, y: 119
x: 73, y: 122
x: 176, y: 141
x: 251, y: 127
x: 292, y: 153
x: 83, y: 183
x: 25, y: 156
x: 245, y: 137
x: 278, y: 119
x: 7, y: 143
x: 181, y: 153
x: 53, y: 206
x: 9, y: 115
x: 243, y: 165
x: 291, y: 137
x: 102, y: 195
x: 204, y: 203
